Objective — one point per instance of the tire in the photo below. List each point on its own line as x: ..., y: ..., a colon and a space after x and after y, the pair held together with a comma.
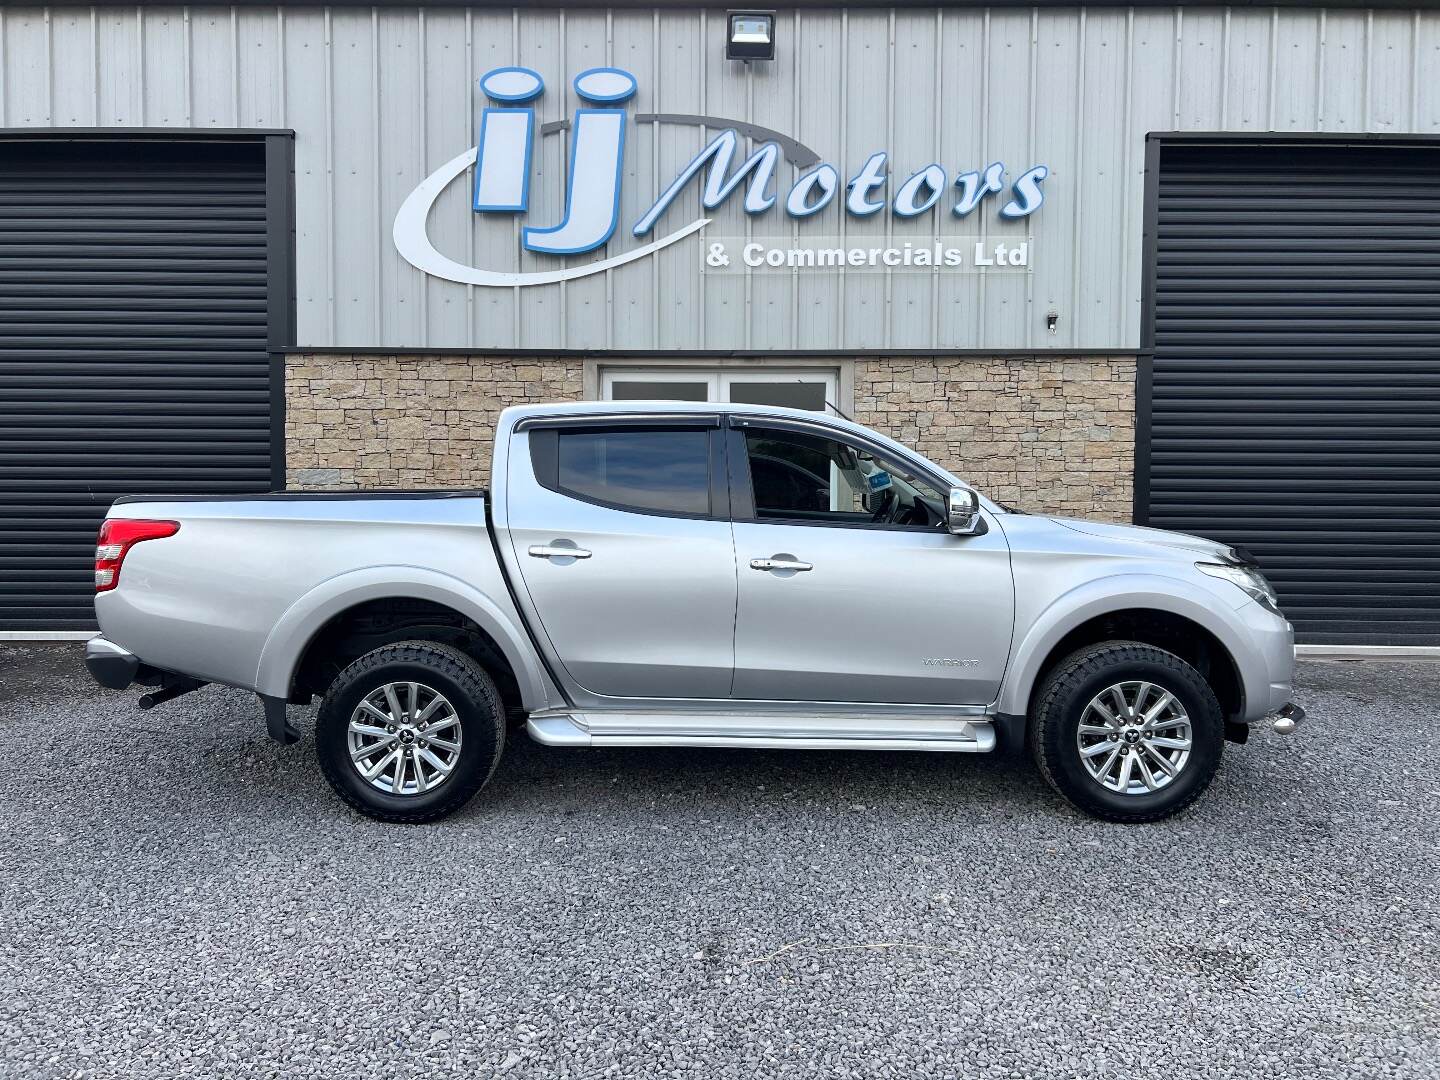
x: 1066, y: 697
x: 470, y: 704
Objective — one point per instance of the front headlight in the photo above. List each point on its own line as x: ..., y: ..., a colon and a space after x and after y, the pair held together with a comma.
x: 1251, y: 581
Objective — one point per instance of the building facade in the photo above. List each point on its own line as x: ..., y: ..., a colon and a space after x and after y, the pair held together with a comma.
x: 1174, y: 264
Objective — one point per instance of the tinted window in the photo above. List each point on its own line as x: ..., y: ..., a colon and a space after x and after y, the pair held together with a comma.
x: 792, y: 395
x: 659, y: 390
x: 646, y: 470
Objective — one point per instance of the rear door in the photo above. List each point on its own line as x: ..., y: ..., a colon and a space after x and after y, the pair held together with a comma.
x: 645, y: 607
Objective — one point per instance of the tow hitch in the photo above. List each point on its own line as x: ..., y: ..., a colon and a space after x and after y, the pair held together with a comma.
x: 171, y: 687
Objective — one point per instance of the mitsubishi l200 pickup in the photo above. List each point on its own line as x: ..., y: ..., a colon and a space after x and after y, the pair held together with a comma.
x: 683, y: 574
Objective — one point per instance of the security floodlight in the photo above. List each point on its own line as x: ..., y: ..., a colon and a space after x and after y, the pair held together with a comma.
x: 750, y: 35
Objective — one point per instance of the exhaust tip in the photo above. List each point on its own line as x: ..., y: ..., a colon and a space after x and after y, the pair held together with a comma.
x: 1288, y: 718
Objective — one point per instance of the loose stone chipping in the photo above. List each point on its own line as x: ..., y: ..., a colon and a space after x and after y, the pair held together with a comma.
x: 182, y: 898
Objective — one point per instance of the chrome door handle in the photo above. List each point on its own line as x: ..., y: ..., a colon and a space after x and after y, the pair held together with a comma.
x: 780, y: 562
x: 557, y: 551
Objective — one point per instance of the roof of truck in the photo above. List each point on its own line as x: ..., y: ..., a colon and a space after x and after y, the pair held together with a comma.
x: 516, y: 414
x: 611, y: 408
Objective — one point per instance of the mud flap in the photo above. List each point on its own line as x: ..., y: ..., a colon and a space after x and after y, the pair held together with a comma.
x: 275, y: 722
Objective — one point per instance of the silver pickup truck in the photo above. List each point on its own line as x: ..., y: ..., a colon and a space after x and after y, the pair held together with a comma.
x: 677, y: 574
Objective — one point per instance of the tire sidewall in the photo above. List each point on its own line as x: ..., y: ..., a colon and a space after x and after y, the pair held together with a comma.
x: 479, y: 748
x: 1072, y: 695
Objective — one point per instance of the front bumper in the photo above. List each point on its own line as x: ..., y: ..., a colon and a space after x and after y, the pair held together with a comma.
x: 1264, y: 652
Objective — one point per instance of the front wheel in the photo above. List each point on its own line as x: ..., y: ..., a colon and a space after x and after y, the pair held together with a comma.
x: 410, y: 731
x: 1127, y: 732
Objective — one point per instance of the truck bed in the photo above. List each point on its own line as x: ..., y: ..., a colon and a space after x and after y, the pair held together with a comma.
x: 249, y: 576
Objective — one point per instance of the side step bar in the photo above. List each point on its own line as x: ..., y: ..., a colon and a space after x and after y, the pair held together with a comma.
x: 763, y: 731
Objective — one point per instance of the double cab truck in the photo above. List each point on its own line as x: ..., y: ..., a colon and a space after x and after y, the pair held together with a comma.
x: 697, y: 574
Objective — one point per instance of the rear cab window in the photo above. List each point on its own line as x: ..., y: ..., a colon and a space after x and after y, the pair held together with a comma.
x: 664, y: 469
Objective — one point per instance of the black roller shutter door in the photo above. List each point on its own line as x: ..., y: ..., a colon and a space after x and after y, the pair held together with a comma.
x: 1295, y: 407
x: 133, y: 347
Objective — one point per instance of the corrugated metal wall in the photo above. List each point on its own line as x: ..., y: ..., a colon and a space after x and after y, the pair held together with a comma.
x: 380, y: 97
x: 1296, y: 405
x: 134, y: 323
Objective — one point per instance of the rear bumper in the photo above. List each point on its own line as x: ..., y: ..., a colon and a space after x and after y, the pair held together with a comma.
x: 110, y: 665
x: 116, y: 668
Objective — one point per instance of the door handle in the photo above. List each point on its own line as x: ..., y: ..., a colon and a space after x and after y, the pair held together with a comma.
x: 557, y: 551
x: 780, y: 562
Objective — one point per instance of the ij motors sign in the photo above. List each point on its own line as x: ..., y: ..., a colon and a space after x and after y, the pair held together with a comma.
x: 502, y: 161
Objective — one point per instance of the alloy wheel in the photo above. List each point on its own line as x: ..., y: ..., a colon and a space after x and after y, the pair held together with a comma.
x: 1134, y: 738
x: 404, y: 738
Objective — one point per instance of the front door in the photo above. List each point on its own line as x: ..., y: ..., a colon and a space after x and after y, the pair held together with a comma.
x: 645, y: 605
x: 851, y: 589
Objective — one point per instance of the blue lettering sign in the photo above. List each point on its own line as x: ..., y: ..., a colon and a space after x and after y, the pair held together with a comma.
x: 504, y: 159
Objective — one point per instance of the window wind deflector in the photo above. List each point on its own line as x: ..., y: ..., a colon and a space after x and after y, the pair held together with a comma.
x: 614, y: 420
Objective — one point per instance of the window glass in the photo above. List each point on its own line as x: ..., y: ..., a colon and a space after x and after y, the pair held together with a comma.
x: 789, y: 395
x: 647, y: 470
x: 658, y: 390
x: 797, y: 476
x: 808, y: 389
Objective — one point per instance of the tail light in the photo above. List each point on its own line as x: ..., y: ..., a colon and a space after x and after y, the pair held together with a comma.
x: 117, y: 537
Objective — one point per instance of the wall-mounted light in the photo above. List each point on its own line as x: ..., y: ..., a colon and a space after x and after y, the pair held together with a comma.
x: 750, y: 35
x: 1052, y: 320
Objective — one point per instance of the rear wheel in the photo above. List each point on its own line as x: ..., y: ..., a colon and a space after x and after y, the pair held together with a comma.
x: 1127, y: 732
x: 410, y: 732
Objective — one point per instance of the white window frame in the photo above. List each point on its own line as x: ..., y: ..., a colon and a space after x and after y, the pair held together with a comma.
x: 719, y: 375
x: 831, y: 379
x: 610, y: 376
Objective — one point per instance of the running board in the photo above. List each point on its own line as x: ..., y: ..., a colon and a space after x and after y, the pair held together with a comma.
x: 762, y: 731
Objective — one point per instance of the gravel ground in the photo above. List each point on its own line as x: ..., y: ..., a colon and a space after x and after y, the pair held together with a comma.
x: 182, y: 897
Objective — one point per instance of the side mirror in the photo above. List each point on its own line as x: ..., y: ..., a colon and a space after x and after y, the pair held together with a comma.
x: 964, y: 517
